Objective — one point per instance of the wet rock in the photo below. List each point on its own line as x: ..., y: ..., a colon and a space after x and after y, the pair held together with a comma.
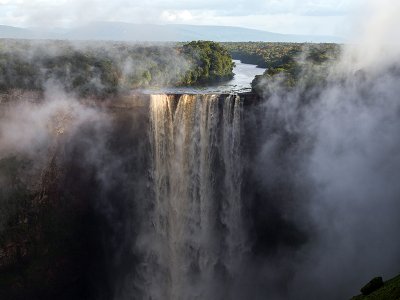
x: 372, y: 286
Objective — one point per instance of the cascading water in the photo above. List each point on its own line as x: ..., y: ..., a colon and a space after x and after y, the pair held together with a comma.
x: 195, y: 229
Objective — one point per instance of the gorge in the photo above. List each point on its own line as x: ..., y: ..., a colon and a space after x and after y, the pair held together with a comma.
x: 164, y: 174
x: 209, y: 194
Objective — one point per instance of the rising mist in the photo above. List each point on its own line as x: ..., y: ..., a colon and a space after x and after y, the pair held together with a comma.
x: 291, y: 194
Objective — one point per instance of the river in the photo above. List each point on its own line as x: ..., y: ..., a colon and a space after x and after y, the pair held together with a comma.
x: 241, y: 83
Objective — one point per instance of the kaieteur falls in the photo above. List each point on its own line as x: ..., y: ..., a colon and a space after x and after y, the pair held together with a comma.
x: 200, y: 170
x: 195, y: 229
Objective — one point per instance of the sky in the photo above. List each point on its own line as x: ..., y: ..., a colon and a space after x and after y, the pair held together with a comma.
x: 321, y: 17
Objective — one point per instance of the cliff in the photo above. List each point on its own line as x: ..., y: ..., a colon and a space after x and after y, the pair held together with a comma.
x: 74, y: 197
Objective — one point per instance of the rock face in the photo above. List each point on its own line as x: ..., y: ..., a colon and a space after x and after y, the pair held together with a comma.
x: 86, y: 209
x: 372, y: 286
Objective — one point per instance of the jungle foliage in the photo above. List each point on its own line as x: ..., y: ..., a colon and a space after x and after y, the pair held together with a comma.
x: 101, y: 69
x: 389, y: 291
x: 288, y: 63
x: 211, y: 62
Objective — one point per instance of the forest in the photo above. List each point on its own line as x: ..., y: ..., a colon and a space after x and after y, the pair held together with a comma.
x: 102, y: 69
x: 289, y: 63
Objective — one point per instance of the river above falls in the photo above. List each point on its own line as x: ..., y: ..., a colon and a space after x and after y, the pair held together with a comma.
x: 241, y: 83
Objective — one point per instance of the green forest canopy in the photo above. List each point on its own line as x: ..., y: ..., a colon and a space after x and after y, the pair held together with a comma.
x: 105, y: 68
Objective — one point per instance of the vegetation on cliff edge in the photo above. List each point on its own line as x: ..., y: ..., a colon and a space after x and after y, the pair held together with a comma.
x: 288, y: 64
x: 389, y: 291
x: 101, y: 69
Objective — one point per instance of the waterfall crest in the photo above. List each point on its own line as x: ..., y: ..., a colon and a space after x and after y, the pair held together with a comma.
x: 195, y: 226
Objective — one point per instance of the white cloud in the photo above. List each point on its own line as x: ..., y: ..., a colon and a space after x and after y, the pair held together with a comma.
x: 176, y: 16
x: 307, y: 16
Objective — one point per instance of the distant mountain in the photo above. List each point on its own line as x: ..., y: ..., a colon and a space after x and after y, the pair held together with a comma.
x: 9, y: 32
x: 118, y: 31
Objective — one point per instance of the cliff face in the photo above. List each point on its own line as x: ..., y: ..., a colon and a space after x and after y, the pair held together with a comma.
x: 117, y: 195
x: 40, y: 231
x: 45, y: 219
x: 74, y: 200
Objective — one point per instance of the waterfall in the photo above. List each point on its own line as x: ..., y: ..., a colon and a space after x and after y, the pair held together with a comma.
x: 232, y: 217
x: 195, y: 226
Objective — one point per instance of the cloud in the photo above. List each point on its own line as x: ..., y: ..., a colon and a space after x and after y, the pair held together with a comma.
x: 376, y: 42
x: 234, y: 13
x: 176, y: 16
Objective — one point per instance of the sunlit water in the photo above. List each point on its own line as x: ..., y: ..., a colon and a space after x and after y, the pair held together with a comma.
x: 241, y: 83
x: 195, y: 226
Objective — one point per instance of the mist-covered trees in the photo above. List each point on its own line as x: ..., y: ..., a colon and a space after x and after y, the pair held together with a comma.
x: 105, y: 68
x: 272, y: 55
x: 287, y: 63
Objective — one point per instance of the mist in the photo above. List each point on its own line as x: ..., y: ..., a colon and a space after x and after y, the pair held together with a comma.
x: 93, y: 68
x: 336, y: 148
x: 340, y: 172
x: 292, y: 194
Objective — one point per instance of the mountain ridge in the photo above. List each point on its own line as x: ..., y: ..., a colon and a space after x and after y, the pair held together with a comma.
x: 121, y: 31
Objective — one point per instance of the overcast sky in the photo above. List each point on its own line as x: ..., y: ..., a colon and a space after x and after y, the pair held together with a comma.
x: 326, y: 17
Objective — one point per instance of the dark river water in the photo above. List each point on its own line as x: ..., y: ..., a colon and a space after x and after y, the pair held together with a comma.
x: 244, y: 75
